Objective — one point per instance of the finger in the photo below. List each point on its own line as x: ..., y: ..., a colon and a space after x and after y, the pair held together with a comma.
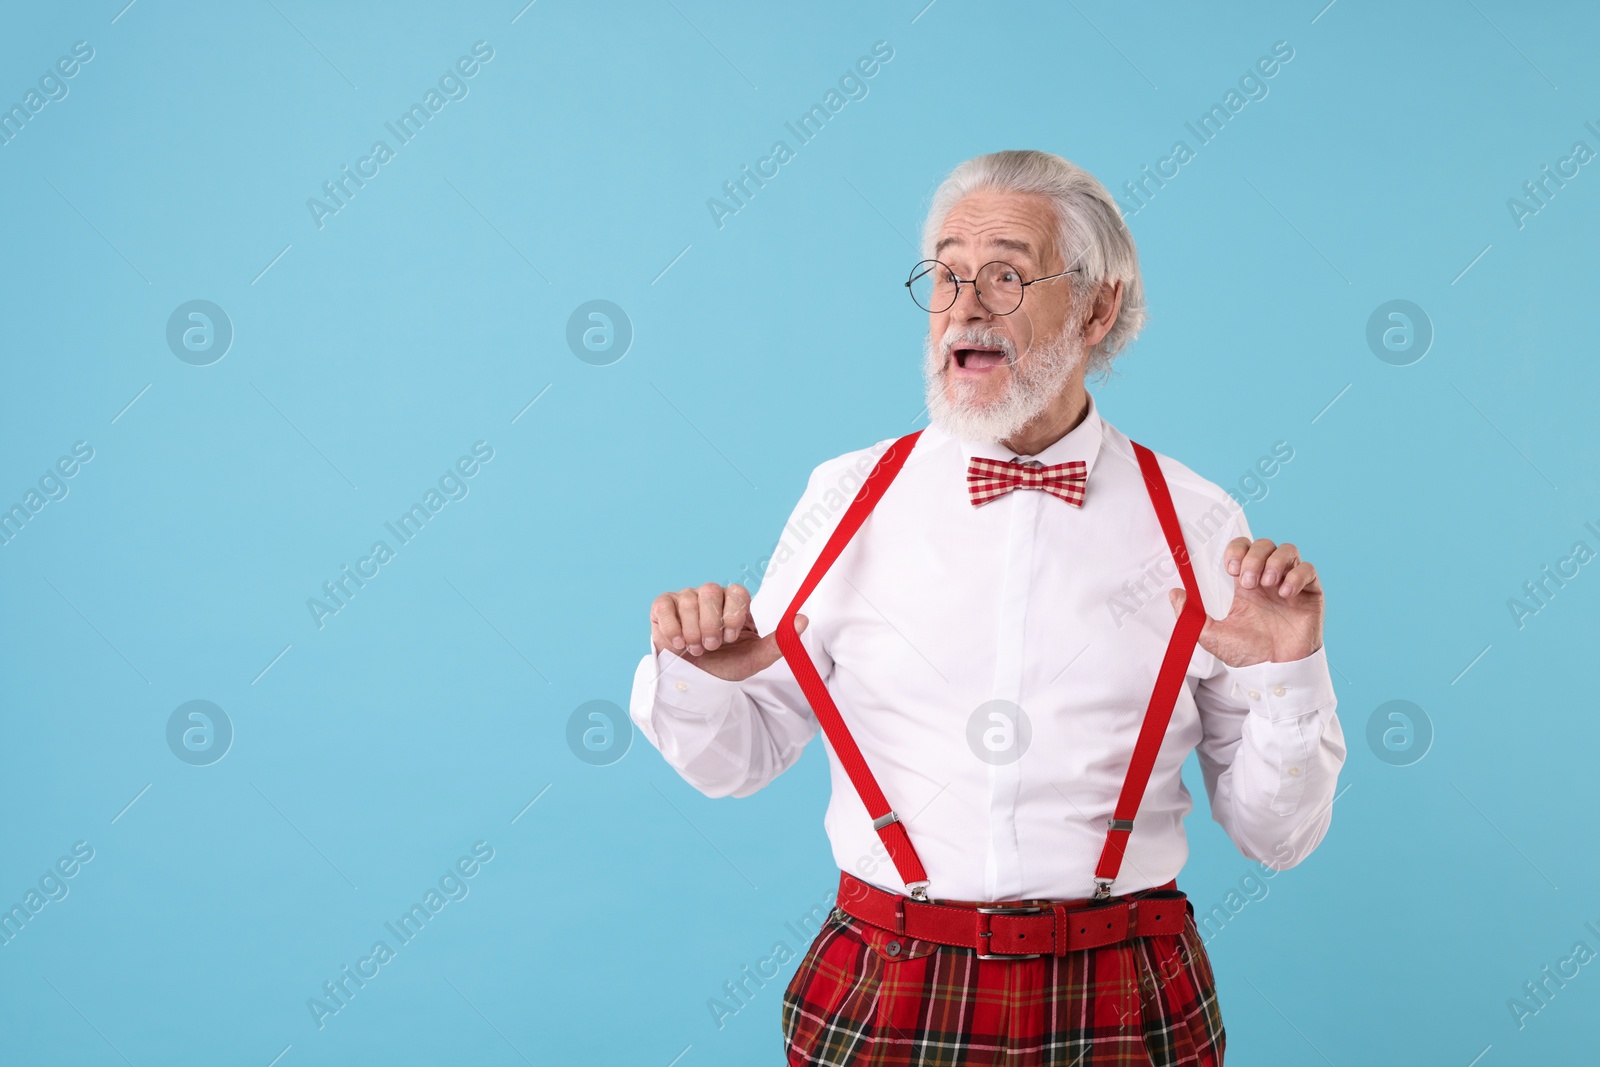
x: 765, y: 651
x: 664, y: 627
x: 1250, y: 567
x: 710, y: 598
x: 735, y: 612
x: 1234, y: 553
x: 688, y: 602
x: 1301, y: 578
x: 1283, y: 558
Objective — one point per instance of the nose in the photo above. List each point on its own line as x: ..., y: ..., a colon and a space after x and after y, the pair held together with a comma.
x: 968, y: 308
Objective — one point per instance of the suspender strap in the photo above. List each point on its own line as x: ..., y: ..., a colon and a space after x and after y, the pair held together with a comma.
x: 884, y: 820
x: 1169, y: 680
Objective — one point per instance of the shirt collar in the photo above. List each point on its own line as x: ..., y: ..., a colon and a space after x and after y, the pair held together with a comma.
x: 1082, y: 442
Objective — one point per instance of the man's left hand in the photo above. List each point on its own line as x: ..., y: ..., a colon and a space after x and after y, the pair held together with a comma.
x: 1277, y: 606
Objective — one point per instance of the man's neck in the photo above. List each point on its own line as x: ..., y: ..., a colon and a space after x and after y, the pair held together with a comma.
x: 1058, y: 420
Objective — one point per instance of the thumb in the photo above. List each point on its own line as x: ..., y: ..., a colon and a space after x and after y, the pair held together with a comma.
x: 1176, y: 598
x: 769, y: 652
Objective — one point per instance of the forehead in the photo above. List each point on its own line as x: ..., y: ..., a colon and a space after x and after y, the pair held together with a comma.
x: 988, y: 222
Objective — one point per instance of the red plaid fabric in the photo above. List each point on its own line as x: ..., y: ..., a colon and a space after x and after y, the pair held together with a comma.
x: 988, y: 479
x: 863, y: 997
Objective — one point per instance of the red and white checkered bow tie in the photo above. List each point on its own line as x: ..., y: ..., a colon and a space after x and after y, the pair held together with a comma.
x: 990, y: 479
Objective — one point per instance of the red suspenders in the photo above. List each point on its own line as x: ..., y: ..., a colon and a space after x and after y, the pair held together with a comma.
x: 1169, y: 680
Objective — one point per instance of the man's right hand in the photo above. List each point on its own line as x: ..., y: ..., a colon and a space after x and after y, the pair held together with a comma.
x: 713, y: 625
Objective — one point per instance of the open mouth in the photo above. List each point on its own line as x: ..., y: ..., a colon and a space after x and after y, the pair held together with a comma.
x: 978, y: 357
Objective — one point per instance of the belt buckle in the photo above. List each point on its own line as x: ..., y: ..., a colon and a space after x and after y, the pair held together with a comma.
x: 1016, y: 909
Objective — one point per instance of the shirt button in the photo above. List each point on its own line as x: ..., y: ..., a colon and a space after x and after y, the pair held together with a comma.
x: 1255, y: 694
x: 892, y: 948
x: 1278, y: 690
x: 683, y: 686
x: 1294, y: 770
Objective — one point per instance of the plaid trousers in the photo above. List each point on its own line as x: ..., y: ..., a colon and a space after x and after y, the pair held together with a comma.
x: 863, y: 997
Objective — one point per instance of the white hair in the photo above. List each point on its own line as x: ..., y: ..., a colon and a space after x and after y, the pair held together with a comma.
x: 1090, y: 231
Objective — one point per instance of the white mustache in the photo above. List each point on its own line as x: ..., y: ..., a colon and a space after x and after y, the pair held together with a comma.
x: 968, y: 336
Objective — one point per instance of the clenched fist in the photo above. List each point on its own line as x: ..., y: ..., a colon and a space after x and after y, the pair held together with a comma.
x: 713, y: 625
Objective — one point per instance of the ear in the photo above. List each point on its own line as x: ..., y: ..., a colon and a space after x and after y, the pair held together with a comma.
x: 1103, y: 315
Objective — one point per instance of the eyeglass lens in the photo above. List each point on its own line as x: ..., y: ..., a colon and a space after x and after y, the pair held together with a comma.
x: 934, y: 286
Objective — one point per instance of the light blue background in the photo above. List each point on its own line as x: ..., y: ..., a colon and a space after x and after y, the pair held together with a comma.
x: 426, y: 315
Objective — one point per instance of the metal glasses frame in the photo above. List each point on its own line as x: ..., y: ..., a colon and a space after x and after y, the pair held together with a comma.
x: 917, y: 272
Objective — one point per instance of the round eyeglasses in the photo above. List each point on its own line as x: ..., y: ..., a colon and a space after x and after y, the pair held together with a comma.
x: 935, y: 287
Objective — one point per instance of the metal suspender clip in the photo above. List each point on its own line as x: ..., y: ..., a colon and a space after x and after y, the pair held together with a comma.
x: 884, y: 820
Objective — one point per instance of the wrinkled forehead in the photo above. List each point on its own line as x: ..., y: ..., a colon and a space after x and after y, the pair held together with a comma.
x: 1019, y: 227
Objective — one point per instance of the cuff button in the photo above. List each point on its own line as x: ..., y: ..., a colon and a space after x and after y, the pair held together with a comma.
x: 683, y: 686
x: 1278, y: 690
x: 1255, y: 694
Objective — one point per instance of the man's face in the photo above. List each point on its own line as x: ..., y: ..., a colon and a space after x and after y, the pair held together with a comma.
x: 988, y: 374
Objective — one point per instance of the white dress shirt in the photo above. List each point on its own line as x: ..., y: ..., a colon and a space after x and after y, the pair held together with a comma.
x: 937, y: 607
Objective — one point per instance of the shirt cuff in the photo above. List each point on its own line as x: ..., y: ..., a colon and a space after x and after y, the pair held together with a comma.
x: 1285, y: 690
x: 681, y: 684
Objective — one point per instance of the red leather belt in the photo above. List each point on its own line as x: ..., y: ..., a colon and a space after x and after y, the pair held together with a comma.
x: 1020, y: 930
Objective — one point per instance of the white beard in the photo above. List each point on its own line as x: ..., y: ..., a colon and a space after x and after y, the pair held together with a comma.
x: 1034, y: 383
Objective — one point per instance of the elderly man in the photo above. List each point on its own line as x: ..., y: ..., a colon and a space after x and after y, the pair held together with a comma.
x: 1007, y: 697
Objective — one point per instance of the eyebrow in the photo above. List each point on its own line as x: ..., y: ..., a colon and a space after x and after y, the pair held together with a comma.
x: 1008, y: 243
